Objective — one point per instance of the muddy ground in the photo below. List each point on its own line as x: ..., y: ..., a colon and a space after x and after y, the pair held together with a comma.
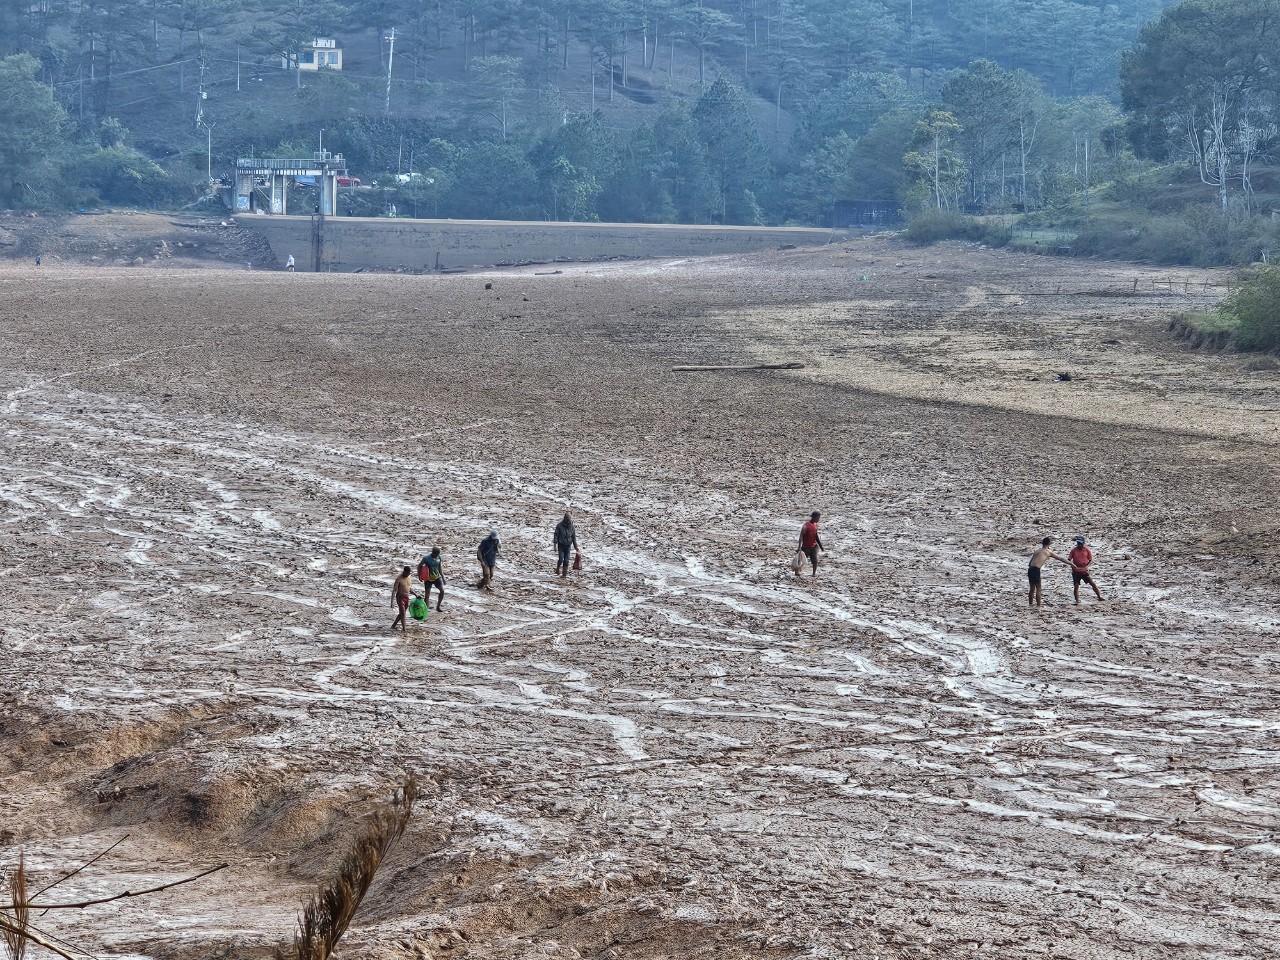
x: 209, y: 478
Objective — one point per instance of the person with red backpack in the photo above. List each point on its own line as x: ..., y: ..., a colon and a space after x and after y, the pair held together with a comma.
x: 432, y: 575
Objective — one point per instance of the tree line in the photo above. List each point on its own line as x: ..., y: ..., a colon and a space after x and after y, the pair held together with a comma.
x: 733, y: 111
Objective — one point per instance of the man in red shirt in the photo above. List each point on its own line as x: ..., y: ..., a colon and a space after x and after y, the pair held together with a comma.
x: 810, y: 542
x: 1080, y: 557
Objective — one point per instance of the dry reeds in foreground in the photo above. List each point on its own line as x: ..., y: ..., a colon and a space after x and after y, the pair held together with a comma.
x: 328, y: 914
x: 17, y: 913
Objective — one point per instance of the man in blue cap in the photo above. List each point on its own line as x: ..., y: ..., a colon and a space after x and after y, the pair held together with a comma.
x: 1080, y: 557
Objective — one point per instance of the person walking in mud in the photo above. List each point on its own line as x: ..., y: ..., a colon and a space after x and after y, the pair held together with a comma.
x: 431, y: 574
x: 563, y: 539
x: 1080, y: 557
x: 487, y: 553
x: 810, y: 542
x: 401, y: 593
x: 1035, y: 568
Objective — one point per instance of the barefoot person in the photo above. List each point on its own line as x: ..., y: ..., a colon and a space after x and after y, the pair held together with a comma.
x: 400, y: 596
x: 487, y: 553
x: 1034, y: 567
x: 1081, y: 556
x: 432, y: 575
x: 810, y: 542
x: 563, y: 539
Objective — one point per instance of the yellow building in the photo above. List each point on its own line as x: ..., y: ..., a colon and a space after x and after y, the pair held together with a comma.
x: 323, y: 54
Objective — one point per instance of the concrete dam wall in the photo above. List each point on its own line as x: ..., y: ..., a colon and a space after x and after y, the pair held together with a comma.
x: 346, y: 244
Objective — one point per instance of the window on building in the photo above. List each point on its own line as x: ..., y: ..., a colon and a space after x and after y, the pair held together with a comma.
x: 333, y: 59
x: 306, y: 56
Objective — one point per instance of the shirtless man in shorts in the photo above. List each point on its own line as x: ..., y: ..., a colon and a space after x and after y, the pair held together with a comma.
x: 400, y: 595
x: 1036, y: 565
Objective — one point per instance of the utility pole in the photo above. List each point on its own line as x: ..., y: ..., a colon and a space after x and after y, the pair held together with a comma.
x: 237, y: 66
x: 201, y: 97
x: 391, y: 56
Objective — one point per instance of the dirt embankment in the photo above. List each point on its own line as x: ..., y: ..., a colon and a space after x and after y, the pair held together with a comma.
x: 207, y: 484
x: 130, y: 239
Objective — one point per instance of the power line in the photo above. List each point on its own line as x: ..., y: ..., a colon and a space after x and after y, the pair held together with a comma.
x: 127, y: 73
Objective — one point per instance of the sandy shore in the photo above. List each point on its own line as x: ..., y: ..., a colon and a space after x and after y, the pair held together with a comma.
x: 208, y: 480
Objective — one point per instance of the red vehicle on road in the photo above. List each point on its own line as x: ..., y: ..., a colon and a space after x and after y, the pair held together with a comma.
x: 348, y: 181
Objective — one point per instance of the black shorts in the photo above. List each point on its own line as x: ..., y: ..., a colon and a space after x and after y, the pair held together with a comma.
x: 1033, y: 576
x: 1077, y: 577
x: 811, y: 553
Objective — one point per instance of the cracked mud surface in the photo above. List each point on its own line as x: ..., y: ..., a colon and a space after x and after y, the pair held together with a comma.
x: 209, y: 478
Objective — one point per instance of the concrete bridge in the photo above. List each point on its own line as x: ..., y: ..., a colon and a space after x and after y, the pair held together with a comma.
x: 346, y: 244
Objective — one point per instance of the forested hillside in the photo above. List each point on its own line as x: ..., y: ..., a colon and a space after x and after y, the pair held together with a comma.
x: 684, y: 110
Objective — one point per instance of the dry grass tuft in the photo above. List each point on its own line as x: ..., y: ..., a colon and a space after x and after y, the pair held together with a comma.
x: 16, y: 914
x: 328, y: 914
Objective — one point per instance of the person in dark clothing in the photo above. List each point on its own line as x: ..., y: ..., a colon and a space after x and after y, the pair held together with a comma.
x: 563, y: 539
x: 487, y: 553
x: 431, y: 574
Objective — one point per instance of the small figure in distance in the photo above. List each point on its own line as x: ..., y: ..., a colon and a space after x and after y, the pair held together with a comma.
x: 487, y: 552
x: 37, y: 259
x: 400, y: 595
x: 1034, y: 567
x: 563, y: 539
x: 1081, y: 556
x: 430, y: 573
x: 289, y: 264
x: 810, y: 542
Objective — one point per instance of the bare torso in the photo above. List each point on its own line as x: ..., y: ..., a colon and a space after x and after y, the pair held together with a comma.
x: 1040, y: 557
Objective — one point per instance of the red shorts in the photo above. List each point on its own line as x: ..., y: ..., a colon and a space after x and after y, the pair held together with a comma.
x: 403, y: 603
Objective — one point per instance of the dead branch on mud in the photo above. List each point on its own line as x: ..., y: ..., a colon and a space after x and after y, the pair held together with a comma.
x: 328, y: 914
x: 699, y: 368
x: 88, y: 863
x: 125, y: 894
x: 16, y: 929
x: 29, y: 934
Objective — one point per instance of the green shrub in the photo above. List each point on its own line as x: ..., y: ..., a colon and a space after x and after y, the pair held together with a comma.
x: 1254, y: 308
x: 121, y: 175
x: 930, y: 226
x: 1199, y: 237
x: 1206, y: 322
